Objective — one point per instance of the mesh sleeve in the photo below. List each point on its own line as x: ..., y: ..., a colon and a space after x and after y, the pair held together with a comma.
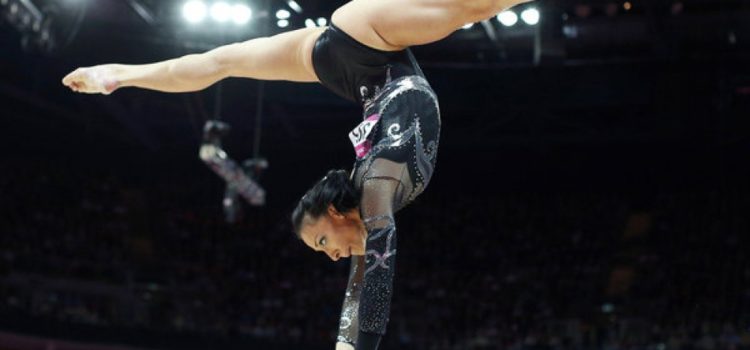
x: 376, y: 208
x: 349, y: 321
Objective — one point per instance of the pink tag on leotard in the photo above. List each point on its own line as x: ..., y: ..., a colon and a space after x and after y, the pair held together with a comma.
x: 358, y: 136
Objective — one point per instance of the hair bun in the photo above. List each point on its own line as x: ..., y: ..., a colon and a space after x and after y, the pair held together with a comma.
x: 333, y: 189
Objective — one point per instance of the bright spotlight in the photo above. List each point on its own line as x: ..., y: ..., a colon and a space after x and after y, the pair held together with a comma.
x: 283, y: 14
x: 282, y: 23
x: 530, y: 16
x: 194, y: 11
x: 309, y: 23
x: 468, y: 26
x: 507, y: 18
x: 294, y: 6
x: 322, y: 22
x: 241, y: 14
x: 221, y: 12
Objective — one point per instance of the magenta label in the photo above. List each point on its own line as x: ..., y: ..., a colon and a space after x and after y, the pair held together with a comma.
x: 359, y: 135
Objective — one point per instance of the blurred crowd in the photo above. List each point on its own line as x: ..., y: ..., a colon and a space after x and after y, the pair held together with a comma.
x: 516, y: 270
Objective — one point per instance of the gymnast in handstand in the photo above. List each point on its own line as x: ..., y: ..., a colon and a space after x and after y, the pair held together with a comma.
x: 362, y: 56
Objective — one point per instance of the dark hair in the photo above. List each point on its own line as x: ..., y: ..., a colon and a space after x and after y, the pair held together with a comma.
x: 335, y: 188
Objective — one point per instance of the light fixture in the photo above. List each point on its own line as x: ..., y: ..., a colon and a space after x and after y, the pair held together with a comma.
x: 283, y: 14
x: 294, y: 6
x: 221, y: 11
x: 194, y: 11
x: 530, y: 16
x: 507, y: 18
x: 241, y: 14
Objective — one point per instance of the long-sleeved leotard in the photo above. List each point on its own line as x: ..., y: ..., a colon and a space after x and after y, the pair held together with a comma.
x: 395, y: 164
x: 396, y: 147
x: 349, y: 321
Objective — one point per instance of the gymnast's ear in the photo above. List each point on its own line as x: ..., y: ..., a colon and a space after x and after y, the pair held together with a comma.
x: 332, y: 212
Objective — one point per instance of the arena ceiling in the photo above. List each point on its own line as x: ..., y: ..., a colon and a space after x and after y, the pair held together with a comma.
x: 569, y: 31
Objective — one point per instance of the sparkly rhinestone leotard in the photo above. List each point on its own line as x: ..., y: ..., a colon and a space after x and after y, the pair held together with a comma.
x: 396, y: 147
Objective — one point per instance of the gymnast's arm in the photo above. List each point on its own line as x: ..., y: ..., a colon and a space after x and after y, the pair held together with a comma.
x: 349, y: 321
x: 286, y: 56
x: 376, y: 209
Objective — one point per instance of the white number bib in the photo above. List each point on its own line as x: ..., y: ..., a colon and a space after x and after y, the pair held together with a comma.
x: 359, y: 135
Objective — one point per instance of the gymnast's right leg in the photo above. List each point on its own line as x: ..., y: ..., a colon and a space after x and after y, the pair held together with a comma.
x: 396, y: 24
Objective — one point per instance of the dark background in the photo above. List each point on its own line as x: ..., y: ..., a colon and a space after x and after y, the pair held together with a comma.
x: 595, y: 160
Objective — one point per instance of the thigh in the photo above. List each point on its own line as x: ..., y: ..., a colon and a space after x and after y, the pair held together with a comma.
x: 397, y: 24
x: 285, y: 56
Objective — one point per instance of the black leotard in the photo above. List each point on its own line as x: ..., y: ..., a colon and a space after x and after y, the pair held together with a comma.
x: 396, y: 146
x: 355, y: 71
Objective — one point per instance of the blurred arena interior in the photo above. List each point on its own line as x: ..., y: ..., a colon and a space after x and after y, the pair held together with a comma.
x: 591, y: 191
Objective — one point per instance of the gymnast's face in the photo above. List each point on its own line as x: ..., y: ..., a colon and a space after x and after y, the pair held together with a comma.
x: 339, y: 235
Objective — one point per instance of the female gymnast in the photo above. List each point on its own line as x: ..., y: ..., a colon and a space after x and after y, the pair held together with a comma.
x: 364, y: 57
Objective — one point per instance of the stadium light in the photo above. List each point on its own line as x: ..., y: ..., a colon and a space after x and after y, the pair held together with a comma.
x: 283, y: 14
x: 507, y: 18
x: 194, y: 11
x: 221, y: 12
x: 282, y: 23
x: 530, y: 16
x: 294, y: 6
x: 309, y: 23
x: 241, y: 14
x: 322, y: 22
x: 468, y: 26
